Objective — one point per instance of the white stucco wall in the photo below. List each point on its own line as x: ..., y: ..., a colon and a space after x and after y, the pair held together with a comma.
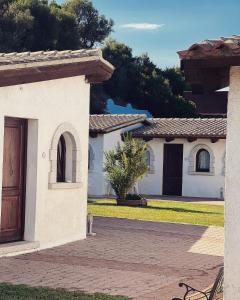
x: 201, y: 185
x: 194, y: 185
x: 232, y: 206
x: 53, y: 216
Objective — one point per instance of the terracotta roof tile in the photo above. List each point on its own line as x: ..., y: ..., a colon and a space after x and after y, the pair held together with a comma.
x: 179, y: 127
x: 224, y: 46
x: 108, y: 123
x: 42, y: 56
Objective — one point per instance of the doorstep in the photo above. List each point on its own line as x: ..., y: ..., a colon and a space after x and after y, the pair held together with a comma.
x: 11, y: 249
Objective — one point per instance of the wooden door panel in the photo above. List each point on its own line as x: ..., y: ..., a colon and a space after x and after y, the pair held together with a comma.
x: 13, y: 182
x: 10, y: 217
x: 11, y: 158
x: 172, y: 169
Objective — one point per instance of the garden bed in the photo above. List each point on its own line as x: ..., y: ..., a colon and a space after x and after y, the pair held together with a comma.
x: 135, y: 203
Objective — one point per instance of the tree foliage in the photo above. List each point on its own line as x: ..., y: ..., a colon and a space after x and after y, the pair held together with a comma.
x: 125, y: 165
x: 137, y: 80
x: 32, y: 25
x: 92, y: 27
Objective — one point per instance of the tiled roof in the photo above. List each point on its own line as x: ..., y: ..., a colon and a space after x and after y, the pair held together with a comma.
x: 15, y: 58
x: 180, y: 127
x: 27, y: 67
x: 224, y: 46
x: 108, y: 123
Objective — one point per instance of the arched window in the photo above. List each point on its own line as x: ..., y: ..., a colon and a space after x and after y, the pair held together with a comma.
x: 61, y: 160
x: 202, y: 161
x: 65, y: 158
x: 150, y: 158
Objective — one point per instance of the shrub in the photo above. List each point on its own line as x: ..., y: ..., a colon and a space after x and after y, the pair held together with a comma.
x: 125, y: 165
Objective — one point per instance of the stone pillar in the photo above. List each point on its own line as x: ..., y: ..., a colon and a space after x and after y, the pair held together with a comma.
x: 232, y: 202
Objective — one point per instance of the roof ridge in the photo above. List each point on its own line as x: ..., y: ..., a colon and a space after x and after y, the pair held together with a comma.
x: 199, y: 118
x: 96, y: 51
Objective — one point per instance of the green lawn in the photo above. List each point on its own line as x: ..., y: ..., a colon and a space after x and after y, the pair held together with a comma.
x: 22, y: 292
x: 162, y: 211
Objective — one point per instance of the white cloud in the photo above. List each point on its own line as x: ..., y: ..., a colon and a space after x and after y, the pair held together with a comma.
x: 142, y: 26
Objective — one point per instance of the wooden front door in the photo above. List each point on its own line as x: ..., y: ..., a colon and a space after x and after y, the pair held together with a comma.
x: 13, y: 181
x: 172, y: 169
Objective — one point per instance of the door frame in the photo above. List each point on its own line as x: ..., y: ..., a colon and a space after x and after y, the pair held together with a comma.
x: 23, y: 171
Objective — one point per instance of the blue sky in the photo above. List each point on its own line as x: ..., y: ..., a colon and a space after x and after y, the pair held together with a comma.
x: 161, y: 28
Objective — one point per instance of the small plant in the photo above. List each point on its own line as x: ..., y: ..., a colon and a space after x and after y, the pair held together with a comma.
x: 125, y: 165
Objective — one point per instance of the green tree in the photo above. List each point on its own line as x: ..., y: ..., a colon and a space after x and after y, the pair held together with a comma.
x: 137, y: 80
x: 33, y: 25
x: 121, y: 57
x: 92, y: 27
x: 66, y: 34
x: 29, y: 26
x: 176, y: 80
x: 125, y: 165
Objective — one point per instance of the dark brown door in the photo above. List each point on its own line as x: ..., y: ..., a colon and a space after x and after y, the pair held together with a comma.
x: 172, y: 169
x: 13, y: 181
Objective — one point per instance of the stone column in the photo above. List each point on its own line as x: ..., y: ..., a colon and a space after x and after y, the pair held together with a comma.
x: 232, y: 202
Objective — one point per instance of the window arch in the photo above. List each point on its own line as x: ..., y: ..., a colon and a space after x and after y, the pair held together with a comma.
x: 90, y: 158
x: 65, y: 157
x: 201, y: 160
x: 150, y: 158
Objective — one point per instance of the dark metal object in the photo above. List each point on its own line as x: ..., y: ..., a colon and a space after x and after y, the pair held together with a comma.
x: 210, y: 294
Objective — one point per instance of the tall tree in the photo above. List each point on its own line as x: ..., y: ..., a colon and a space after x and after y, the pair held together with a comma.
x: 29, y: 26
x: 32, y: 25
x: 176, y: 80
x: 66, y: 34
x: 137, y: 80
x: 91, y: 26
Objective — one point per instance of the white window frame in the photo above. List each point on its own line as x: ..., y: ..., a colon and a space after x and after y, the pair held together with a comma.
x: 151, y: 169
x: 193, y: 157
x: 73, y: 158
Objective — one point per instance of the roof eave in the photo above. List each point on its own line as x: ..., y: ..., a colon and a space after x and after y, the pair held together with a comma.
x: 120, y: 126
x: 152, y: 136
x: 95, y: 68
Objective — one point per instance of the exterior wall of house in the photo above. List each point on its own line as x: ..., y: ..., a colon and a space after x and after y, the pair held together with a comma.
x: 56, y: 213
x: 205, y: 185
x: 232, y: 206
x: 97, y: 183
x: 194, y: 184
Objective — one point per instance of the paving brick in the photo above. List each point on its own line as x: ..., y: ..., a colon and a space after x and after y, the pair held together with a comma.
x: 142, y: 260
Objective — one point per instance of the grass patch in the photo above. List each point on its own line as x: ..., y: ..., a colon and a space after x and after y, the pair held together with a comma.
x: 162, y: 211
x: 23, y: 292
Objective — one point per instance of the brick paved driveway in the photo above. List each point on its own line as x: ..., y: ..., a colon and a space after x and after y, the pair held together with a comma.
x: 142, y: 260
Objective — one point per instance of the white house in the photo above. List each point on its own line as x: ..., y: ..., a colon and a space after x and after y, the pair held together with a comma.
x: 186, y: 157
x: 44, y: 100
